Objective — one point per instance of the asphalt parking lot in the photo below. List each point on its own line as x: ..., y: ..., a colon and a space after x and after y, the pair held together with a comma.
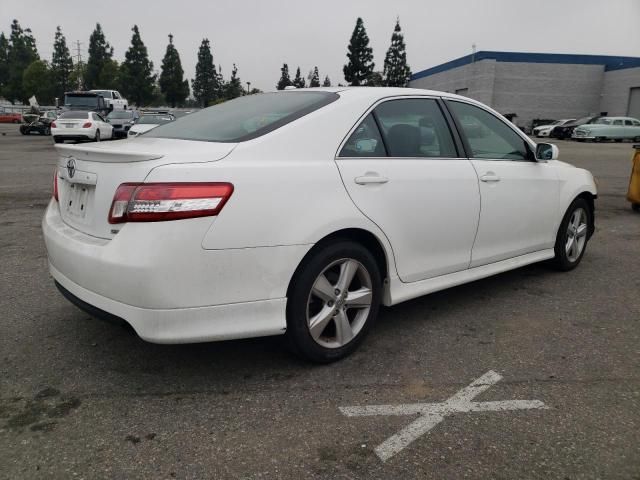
x: 84, y: 399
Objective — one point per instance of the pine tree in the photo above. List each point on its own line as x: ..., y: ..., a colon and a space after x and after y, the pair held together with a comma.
x: 396, y: 71
x: 21, y: 53
x: 100, y: 52
x: 110, y: 74
x: 233, y: 88
x: 4, y: 62
x: 37, y: 81
x: 360, y: 56
x: 172, y: 83
x: 285, y: 80
x: 298, y: 81
x: 314, y: 79
x: 136, y: 73
x: 206, y: 85
x: 327, y: 81
x: 61, y: 65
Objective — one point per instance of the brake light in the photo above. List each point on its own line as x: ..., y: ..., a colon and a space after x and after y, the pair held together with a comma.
x: 53, y: 125
x: 87, y: 125
x: 155, y: 202
x: 55, y: 184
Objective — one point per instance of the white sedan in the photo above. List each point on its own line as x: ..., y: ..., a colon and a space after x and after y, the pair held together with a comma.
x: 149, y: 121
x: 545, y: 130
x: 300, y: 212
x: 80, y: 125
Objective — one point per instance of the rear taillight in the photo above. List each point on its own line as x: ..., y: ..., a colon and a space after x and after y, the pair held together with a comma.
x: 87, y: 125
x: 55, y: 184
x: 53, y: 125
x: 155, y: 202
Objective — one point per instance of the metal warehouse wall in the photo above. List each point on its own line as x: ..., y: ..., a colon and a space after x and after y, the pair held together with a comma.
x: 530, y: 90
x: 616, y: 89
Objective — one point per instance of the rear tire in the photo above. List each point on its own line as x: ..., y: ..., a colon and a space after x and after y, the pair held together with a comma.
x: 47, y: 131
x: 97, y: 138
x: 333, y: 301
x: 635, y: 207
x: 58, y: 140
x: 573, y: 235
x: 636, y: 139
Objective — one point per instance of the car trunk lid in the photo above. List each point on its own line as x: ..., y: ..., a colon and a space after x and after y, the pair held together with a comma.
x: 88, y: 176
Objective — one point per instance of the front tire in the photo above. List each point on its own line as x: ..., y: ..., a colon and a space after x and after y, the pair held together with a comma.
x: 333, y: 301
x: 97, y: 138
x: 573, y: 235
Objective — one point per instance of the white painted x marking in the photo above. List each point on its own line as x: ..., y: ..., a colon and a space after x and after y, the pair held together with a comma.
x: 431, y: 414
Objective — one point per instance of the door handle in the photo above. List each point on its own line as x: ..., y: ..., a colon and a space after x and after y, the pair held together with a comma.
x: 490, y: 177
x: 370, y: 178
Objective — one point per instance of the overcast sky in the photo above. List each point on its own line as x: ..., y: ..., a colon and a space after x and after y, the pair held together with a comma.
x: 261, y: 35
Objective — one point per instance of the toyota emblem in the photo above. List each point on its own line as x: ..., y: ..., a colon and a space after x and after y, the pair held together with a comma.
x: 71, y: 167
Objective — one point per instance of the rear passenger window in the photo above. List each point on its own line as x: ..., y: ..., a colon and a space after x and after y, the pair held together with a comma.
x: 415, y: 128
x: 628, y: 122
x: 365, y: 141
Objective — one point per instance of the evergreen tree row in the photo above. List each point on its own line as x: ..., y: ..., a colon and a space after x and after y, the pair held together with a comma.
x: 24, y: 74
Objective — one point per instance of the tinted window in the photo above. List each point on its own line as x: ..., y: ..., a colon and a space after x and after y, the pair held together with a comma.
x: 245, y: 117
x: 365, y: 141
x: 120, y: 114
x: 74, y: 115
x: 415, y: 128
x: 487, y: 135
x: 80, y: 101
x: 104, y: 93
x: 628, y: 122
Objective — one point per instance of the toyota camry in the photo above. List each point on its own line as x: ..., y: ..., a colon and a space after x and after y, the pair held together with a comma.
x: 300, y: 212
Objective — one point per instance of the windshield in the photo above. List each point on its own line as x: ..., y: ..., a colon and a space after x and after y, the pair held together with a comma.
x: 154, y: 119
x: 75, y: 115
x: 104, y: 93
x: 245, y: 117
x: 80, y: 101
x: 120, y: 114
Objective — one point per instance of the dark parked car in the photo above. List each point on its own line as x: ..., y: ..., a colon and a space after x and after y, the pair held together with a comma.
x: 565, y: 131
x: 41, y: 124
x: 122, y: 120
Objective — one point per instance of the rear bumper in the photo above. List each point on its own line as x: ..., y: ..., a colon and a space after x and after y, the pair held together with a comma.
x: 181, y: 325
x: 159, y: 279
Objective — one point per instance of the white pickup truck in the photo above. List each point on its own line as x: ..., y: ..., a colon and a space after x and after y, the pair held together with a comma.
x: 113, y: 99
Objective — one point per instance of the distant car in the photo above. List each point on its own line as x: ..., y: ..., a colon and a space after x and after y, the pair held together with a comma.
x: 545, y: 130
x: 9, y: 117
x: 41, y: 125
x: 122, y: 121
x: 149, y: 121
x: 565, y: 131
x: 609, y: 128
x: 80, y: 125
x: 113, y: 99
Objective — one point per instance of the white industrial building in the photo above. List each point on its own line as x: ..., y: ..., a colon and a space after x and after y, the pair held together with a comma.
x: 541, y: 85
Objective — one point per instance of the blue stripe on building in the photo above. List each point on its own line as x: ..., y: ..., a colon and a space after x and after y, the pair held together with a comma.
x: 609, y: 62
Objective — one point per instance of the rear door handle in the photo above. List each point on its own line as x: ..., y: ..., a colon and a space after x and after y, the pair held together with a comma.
x: 490, y: 177
x: 370, y: 178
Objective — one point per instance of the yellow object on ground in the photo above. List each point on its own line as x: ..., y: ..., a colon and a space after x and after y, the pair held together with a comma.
x: 633, y: 195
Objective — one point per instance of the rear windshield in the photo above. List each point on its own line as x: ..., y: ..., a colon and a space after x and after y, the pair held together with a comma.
x: 75, y: 115
x: 245, y: 117
x: 80, y: 101
x: 154, y: 119
x: 120, y: 114
x: 104, y: 93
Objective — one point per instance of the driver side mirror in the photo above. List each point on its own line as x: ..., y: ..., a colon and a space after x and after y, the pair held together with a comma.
x: 547, y: 151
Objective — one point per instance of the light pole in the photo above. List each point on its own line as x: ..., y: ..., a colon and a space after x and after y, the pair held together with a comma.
x: 248, y: 88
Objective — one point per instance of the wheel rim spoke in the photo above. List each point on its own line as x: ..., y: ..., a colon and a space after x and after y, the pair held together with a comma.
x: 570, y: 242
x: 344, y: 332
x: 348, y: 270
x: 582, y: 230
x: 323, y: 289
x: 319, y: 322
x: 360, y: 298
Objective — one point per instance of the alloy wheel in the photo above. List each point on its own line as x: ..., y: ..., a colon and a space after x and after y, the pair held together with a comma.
x: 576, y: 234
x: 339, y: 303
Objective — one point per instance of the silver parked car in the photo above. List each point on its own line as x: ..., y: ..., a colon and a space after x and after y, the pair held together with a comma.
x: 609, y: 128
